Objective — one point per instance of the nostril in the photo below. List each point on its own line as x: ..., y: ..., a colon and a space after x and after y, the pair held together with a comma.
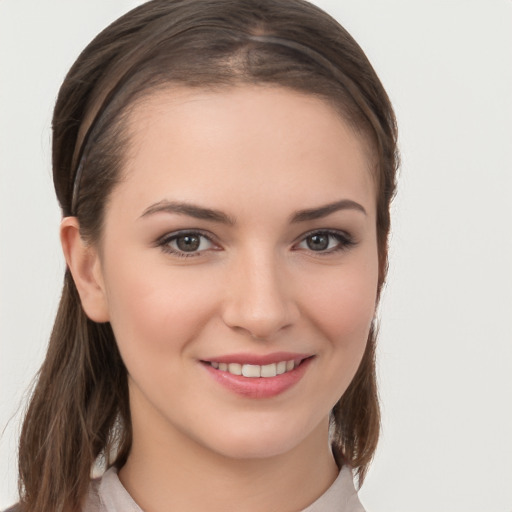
x: 260, y: 330
x: 258, y: 301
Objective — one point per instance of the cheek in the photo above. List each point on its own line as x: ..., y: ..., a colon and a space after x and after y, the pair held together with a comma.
x: 344, y: 318
x: 343, y: 304
x: 342, y: 309
x: 154, y: 311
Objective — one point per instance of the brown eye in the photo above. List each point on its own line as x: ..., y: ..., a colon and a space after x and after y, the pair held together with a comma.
x: 326, y: 242
x: 318, y: 242
x: 188, y: 243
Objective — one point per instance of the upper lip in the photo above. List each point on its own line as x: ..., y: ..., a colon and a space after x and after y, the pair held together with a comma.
x: 258, y: 359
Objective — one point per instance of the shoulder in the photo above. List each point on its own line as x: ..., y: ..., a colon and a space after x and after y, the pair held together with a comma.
x: 92, y: 501
x: 14, y: 508
x: 341, y: 496
x: 107, y: 494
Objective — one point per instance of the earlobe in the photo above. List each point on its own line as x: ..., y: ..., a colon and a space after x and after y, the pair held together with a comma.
x: 84, y: 264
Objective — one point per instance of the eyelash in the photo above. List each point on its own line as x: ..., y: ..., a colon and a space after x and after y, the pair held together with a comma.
x: 344, y: 242
x: 165, y: 241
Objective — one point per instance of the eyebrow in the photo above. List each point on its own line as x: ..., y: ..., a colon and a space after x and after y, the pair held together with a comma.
x: 191, y: 210
x: 199, y: 212
x: 324, y: 211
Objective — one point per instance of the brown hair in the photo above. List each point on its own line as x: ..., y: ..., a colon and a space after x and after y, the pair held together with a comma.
x: 79, y: 410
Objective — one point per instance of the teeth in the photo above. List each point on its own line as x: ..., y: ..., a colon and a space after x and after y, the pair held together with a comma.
x: 235, y: 368
x: 251, y: 370
x: 255, y: 370
x: 269, y: 370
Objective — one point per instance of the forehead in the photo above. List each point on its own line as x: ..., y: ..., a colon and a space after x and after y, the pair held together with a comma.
x: 247, y: 136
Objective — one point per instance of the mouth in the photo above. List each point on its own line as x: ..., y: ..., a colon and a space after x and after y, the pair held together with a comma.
x: 258, y: 377
x: 252, y: 371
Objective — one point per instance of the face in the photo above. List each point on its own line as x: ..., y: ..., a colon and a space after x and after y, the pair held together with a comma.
x: 239, y: 266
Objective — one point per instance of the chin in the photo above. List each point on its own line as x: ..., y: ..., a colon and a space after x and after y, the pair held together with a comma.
x: 264, y: 439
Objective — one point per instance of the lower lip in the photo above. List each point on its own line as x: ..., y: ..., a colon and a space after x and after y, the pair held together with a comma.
x: 259, y: 387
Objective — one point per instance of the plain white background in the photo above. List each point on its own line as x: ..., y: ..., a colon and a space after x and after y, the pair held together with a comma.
x: 445, y: 353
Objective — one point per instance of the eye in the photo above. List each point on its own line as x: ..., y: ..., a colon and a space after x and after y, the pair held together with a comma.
x: 186, y: 243
x: 325, y: 241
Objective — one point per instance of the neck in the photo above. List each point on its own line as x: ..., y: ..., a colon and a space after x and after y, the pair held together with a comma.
x: 166, y: 470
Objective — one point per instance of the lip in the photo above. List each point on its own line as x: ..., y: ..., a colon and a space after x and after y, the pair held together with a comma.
x: 263, y: 387
x: 261, y: 360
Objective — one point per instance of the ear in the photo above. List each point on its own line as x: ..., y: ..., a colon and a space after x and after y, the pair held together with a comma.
x: 85, y: 266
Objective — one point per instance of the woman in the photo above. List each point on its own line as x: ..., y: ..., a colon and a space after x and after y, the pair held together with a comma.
x: 225, y: 171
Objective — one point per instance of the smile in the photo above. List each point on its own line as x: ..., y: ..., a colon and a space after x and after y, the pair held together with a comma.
x: 253, y: 376
x: 256, y: 370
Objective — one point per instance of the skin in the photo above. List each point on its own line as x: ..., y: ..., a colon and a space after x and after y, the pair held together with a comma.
x: 259, y: 155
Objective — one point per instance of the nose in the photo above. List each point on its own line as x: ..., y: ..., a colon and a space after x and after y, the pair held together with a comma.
x: 259, y: 297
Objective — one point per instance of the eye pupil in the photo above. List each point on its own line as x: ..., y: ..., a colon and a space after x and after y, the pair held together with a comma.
x: 318, y: 242
x: 188, y: 243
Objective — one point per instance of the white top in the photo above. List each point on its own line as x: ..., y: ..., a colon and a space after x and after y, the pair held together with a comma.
x: 107, y: 494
